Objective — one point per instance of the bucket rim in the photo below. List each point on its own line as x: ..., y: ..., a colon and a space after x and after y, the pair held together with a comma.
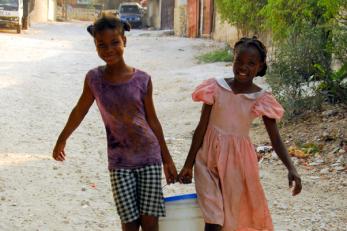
x: 181, y: 197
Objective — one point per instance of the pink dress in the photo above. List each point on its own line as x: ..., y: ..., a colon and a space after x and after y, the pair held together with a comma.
x: 226, y: 167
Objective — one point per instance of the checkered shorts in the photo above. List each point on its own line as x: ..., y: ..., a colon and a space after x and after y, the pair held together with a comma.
x: 138, y: 192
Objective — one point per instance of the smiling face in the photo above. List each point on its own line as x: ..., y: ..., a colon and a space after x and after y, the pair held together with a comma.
x: 247, y: 63
x: 110, y: 45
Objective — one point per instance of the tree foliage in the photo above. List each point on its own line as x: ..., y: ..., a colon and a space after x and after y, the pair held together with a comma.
x: 244, y: 14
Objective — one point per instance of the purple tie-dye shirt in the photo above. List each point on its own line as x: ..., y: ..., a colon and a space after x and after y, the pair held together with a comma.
x: 130, y: 140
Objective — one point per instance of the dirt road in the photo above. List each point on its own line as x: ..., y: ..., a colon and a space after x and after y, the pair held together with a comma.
x: 41, y: 77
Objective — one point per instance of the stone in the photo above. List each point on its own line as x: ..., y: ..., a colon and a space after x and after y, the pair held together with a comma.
x: 295, y: 160
x: 329, y: 113
x: 339, y: 168
x: 264, y: 149
x: 85, y: 203
x: 324, y: 171
x: 274, y: 156
x: 340, y: 160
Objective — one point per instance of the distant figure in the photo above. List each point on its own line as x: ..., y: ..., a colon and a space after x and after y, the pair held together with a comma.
x: 226, y: 175
x: 136, y: 145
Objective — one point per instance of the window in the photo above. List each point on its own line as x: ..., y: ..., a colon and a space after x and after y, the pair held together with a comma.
x: 130, y: 9
x: 9, y: 2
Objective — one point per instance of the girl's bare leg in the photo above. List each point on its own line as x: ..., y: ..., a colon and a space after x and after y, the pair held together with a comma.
x: 149, y: 223
x: 131, y: 226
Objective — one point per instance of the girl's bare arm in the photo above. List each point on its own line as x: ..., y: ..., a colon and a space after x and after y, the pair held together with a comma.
x: 152, y: 119
x: 282, y: 153
x: 186, y: 175
x: 76, y: 116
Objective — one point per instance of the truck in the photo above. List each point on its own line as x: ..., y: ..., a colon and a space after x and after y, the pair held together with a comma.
x: 11, y: 14
x: 15, y: 14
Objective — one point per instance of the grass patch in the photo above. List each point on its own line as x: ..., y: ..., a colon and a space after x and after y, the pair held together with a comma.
x: 223, y: 55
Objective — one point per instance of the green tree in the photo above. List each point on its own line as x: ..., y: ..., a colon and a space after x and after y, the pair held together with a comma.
x: 244, y: 14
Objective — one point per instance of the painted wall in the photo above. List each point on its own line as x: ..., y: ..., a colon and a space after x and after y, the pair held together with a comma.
x: 52, y: 10
x: 154, y: 12
x: 180, y: 20
x: 223, y: 31
x: 44, y: 11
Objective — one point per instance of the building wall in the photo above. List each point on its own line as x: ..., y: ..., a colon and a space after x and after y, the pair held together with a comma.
x: 207, y: 17
x: 154, y: 12
x: 52, y: 10
x: 224, y: 32
x: 193, y: 18
x: 180, y: 20
x: 167, y: 14
x: 44, y: 11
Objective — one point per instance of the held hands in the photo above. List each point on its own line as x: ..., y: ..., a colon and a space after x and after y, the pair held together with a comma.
x: 58, y: 151
x: 185, y: 176
x: 294, y: 176
x: 170, y: 172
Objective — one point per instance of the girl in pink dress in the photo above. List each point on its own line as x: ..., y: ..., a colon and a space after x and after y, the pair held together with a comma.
x: 226, y: 170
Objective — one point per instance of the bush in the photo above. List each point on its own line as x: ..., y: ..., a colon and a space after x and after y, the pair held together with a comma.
x: 292, y: 74
x: 223, y: 55
x: 334, y: 86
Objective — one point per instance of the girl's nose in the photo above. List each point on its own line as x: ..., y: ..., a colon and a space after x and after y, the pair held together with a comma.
x: 108, y: 49
x: 243, y: 68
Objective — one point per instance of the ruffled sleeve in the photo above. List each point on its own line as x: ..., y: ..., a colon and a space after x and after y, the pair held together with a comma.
x: 267, y: 105
x: 205, y: 92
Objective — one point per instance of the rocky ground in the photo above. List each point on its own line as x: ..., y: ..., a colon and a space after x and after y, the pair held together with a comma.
x: 41, y: 76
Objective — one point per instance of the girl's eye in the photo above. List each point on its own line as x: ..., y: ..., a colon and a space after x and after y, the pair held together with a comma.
x: 101, y: 46
x: 115, y: 42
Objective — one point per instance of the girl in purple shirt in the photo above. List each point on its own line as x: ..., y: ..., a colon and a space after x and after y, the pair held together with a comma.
x: 135, y: 140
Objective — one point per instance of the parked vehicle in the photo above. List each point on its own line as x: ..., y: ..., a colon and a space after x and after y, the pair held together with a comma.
x: 11, y: 14
x: 133, y: 13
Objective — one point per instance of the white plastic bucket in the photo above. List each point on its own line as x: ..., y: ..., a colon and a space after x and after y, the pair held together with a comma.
x: 182, y: 213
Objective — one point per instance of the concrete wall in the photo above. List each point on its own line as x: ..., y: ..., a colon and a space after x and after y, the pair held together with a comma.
x: 52, y: 10
x: 180, y: 21
x: 44, y: 11
x: 223, y: 31
x: 154, y: 12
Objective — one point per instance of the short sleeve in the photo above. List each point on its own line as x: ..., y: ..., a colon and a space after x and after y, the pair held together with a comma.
x: 205, y: 92
x: 267, y: 105
x: 89, y: 79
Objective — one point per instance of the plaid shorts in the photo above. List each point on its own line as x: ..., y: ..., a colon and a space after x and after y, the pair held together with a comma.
x: 138, y: 192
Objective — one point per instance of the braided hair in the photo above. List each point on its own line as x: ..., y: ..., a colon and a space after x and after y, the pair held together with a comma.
x: 108, y: 21
x: 254, y: 42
